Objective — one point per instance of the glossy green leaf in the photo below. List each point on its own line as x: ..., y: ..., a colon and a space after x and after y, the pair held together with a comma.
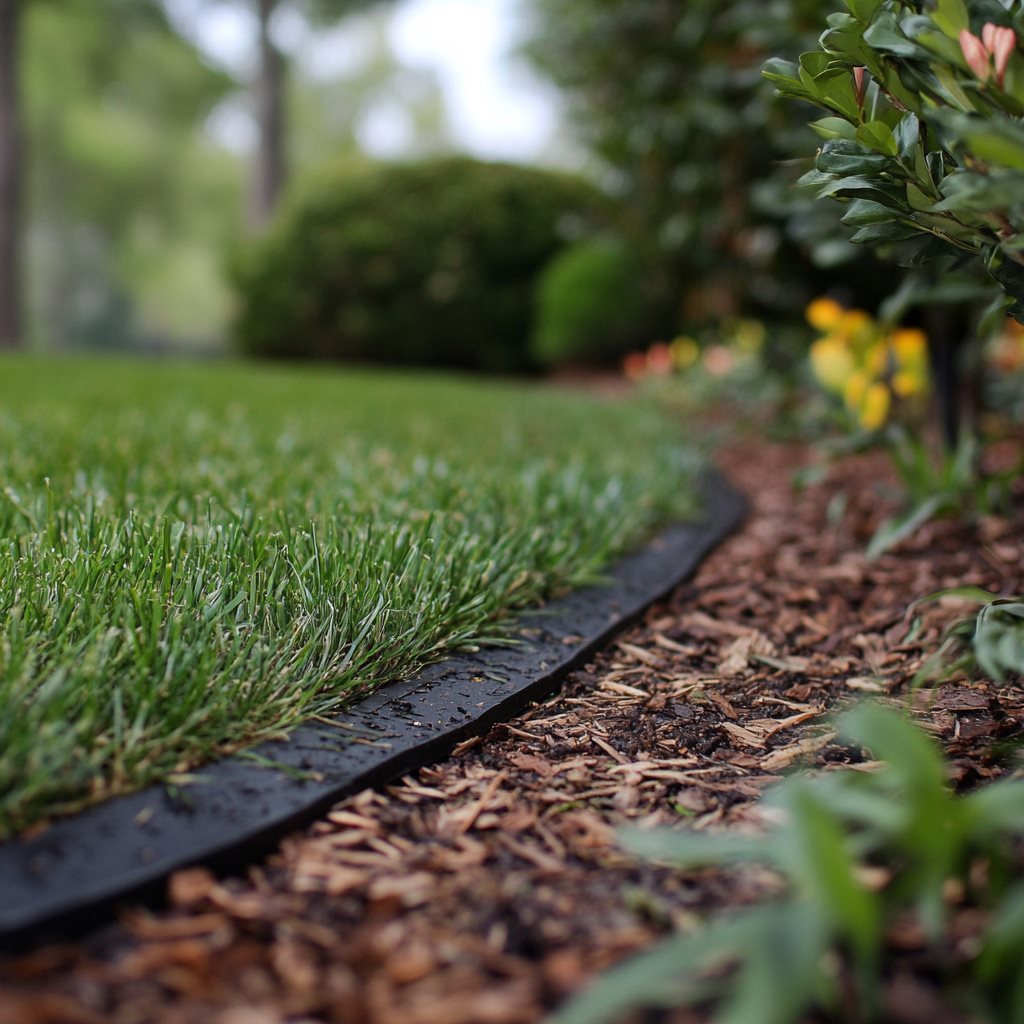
x: 884, y: 34
x: 878, y: 136
x: 835, y: 128
x: 917, y: 199
x: 873, y: 234
x: 866, y: 211
x: 839, y: 156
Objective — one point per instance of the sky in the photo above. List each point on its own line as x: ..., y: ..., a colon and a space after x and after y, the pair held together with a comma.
x: 496, y: 107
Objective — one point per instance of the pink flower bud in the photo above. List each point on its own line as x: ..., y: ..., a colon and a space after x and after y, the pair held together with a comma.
x: 1000, y: 42
x: 860, y: 85
x: 976, y: 54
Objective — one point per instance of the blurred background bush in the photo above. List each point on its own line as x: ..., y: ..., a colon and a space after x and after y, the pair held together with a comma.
x: 140, y: 228
x: 426, y: 263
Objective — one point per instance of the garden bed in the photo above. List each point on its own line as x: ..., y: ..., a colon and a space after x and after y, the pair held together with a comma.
x: 487, y: 887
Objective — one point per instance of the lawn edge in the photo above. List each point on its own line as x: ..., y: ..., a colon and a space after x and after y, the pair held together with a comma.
x: 80, y: 868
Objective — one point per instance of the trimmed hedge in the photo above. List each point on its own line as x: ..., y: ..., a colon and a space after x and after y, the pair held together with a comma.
x: 432, y: 263
x: 592, y: 305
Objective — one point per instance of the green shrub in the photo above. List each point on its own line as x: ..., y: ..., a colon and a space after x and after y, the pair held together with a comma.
x: 923, y: 138
x: 591, y: 304
x: 668, y: 97
x: 427, y: 263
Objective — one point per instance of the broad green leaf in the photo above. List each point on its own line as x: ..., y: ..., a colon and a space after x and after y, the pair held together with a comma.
x: 874, y: 234
x: 866, y: 211
x: 980, y: 193
x: 878, y: 136
x: 1010, y: 275
x: 955, y: 93
x: 998, y: 807
x: 917, y: 199
x: 781, y: 974
x: 913, y: 759
x: 940, y: 46
x: 822, y: 866
x: 840, y: 156
x: 863, y: 9
x: 835, y: 128
x: 859, y: 185
x: 845, y: 42
x: 951, y: 17
x: 884, y: 34
x: 908, y: 137
x: 831, y: 83
x: 922, y: 170
x: 786, y: 76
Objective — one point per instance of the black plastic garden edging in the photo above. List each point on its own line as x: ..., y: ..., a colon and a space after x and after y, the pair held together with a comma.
x: 239, y: 807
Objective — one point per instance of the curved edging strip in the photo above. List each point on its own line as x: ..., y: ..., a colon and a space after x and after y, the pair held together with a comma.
x: 239, y: 807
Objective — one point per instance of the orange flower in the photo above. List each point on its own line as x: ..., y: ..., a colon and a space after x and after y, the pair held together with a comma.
x: 824, y: 314
x: 659, y: 359
x: 634, y: 366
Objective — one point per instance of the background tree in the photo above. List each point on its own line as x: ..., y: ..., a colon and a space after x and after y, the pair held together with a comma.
x: 270, y: 165
x: 127, y: 200
x: 10, y: 176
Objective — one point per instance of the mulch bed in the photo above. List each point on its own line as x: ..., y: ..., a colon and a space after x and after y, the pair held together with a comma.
x: 486, y: 888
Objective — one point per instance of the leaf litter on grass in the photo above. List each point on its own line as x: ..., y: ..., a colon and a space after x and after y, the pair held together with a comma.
x: 192, y: 558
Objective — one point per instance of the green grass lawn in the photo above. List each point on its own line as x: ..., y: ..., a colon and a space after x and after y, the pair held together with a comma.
x: 195, y: 557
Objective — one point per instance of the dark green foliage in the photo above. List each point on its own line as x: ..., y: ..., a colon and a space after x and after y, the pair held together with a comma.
x: 860, y: 853
x: 927, y: 152
x: 427, y: 263
x: 592, y: 304
x: 668, y: 96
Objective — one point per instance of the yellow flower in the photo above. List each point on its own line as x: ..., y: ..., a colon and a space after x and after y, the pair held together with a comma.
x: 855, y: 323
x: 867, y: 399
x: 874, y: 407
x: 910, y: 354
x: 832, y: 362
x: 876, y: 358
x: 907, y: 383
x: 824, y: 314
x: 910, y: 345
x: 855, y: 387
x: 685, y: 352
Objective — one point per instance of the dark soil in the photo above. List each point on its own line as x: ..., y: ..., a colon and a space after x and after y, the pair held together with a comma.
x: 485, y: 889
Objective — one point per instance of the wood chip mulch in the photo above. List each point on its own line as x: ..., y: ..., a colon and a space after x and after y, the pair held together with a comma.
x: 485, y: 889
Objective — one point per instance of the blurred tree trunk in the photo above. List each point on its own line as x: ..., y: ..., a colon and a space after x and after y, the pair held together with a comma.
x: 269, y: 169
x: 10, y: 178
